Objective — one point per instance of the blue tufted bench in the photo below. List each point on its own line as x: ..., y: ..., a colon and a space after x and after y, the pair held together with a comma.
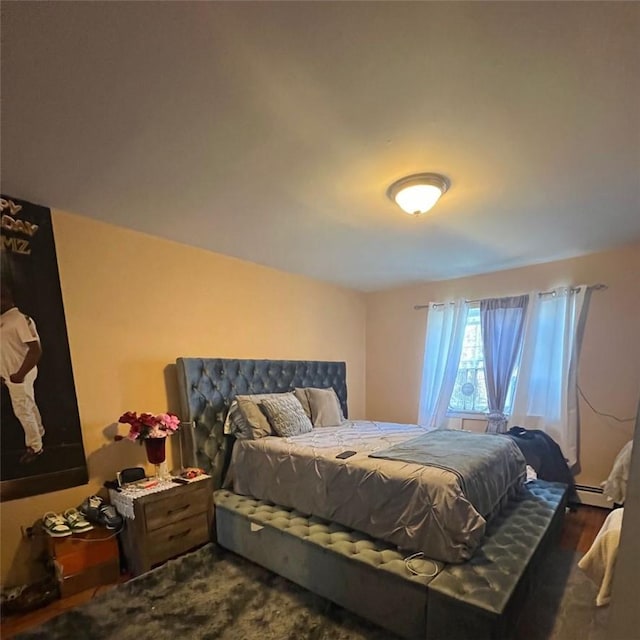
x: 366, y: 576
x: 481, y: 599
x: 475, y: 600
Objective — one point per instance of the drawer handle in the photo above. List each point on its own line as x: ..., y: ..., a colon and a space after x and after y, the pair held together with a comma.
x: 181, y: 534
x: 179, y: 509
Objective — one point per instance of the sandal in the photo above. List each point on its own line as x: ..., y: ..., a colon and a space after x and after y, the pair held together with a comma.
x: 76, y: 521
x: 55, y: 525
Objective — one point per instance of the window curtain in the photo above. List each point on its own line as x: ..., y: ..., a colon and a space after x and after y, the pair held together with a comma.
x: 502, y: 322
x: 443, y: 345
x: 546, y: 396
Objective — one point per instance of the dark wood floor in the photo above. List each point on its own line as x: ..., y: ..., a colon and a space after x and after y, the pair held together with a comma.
x: 580, y: 529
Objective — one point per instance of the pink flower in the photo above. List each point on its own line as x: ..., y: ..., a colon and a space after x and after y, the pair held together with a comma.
x: 169, y: 421
x: 146, y: 425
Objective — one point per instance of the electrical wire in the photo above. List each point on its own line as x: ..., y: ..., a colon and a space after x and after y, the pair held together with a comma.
x: 109, y: 537
x: 601, y: 413
x: 409, y: 559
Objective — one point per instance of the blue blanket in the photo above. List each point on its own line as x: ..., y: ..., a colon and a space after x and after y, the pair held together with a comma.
x: 486, y: 465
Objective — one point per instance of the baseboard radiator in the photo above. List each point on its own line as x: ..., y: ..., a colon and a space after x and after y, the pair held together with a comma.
x: 592, y: 496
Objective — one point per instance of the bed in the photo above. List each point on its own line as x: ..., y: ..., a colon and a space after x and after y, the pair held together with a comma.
x: 387, y: 489
x: 445, y: 525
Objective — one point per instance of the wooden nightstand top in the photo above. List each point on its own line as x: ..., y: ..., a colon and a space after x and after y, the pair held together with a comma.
x: 125, y: 499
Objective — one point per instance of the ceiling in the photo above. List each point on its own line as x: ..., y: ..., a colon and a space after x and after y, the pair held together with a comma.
x: 271, y: 131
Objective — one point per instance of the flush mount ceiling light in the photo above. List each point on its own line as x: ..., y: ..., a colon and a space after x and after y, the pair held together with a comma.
x: 418, y: 193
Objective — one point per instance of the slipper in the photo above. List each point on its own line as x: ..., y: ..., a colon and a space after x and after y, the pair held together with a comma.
x: 76, y: 521
x: 55, y: 525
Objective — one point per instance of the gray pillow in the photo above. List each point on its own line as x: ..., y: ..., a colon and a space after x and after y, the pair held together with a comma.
x: 286, y: 415
x: 237, y: 425
x: 256, y: 424
x: 301, y: 394
x: 325, y: 407
x: 245, y: 419
x: 230, y: 422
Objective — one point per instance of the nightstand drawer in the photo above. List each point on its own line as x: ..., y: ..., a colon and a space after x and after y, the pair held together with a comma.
x: 176, y: 507
x: 178, y: 537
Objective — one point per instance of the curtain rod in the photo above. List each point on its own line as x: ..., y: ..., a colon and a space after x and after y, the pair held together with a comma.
x: 594, y: 287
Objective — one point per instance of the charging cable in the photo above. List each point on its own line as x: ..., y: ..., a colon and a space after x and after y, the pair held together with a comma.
x: 408, y: 562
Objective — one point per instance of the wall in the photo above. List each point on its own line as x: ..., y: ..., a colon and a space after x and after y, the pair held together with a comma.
x: 610, y: 364
x: 134, y: 303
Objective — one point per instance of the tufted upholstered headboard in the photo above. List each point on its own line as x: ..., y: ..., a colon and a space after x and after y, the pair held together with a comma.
x: 209, y: 385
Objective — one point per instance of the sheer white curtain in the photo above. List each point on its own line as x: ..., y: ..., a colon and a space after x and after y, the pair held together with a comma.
x: 502, y: 322
x: 443, y: 345
x: 546, y: 396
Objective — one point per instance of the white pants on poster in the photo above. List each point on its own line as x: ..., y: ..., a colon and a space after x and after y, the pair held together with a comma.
x: 24, y: 405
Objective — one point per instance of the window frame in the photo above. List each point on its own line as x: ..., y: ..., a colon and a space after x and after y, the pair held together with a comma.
x: 479, y: 415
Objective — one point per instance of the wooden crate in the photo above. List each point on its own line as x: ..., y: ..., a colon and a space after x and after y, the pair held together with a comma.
x: 85, y: 560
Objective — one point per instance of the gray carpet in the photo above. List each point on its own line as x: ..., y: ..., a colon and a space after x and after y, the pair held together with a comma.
x: 212, y: 594
x: 563, y: 604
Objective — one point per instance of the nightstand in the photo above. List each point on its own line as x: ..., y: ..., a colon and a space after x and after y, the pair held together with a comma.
x: 168, y: 523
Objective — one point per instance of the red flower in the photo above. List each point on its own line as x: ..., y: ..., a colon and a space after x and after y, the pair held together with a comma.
x: 148, y: 420
x: 146, y: 425
x: 130, y: 417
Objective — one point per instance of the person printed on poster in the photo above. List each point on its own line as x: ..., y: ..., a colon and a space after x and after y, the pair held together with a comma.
x: 37, y: 389
x: 21, y: 351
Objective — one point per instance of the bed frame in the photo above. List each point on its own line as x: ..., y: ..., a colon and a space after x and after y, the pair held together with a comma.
x: 478, y: 599
x: 208, y: 386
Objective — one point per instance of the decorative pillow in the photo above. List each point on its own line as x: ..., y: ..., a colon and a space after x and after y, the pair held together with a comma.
x: 245, y: 420
x: 237, y: 425
x: 301, y: 394
x: 257, y: 425
x: 325, y: 407
x: 286, y: 415
x: 230, y: 426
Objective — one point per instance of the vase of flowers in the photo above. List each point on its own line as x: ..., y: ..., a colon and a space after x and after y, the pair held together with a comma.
x: 152, y: 430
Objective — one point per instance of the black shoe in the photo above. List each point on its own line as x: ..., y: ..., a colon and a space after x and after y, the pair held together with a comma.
x: 97, y: 511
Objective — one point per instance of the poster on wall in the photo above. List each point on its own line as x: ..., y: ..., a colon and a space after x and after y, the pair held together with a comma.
x: 41, y: 438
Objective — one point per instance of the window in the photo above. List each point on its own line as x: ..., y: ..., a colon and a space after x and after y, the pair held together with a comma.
x: 470, y: 391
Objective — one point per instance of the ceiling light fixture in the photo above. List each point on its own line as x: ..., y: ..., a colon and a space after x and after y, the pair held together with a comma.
x: 419, y: 192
